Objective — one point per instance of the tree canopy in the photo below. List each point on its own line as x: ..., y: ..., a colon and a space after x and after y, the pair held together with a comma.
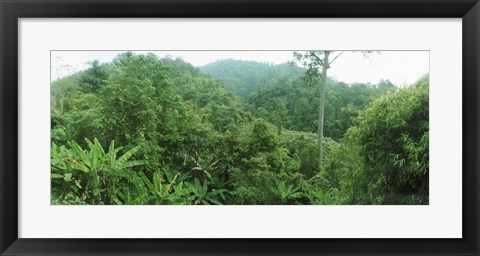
x: 148, y: 130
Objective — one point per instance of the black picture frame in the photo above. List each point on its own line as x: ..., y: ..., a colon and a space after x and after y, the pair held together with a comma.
x: 12, y: 10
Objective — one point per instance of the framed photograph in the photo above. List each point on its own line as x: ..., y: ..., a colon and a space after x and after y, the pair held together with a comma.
x: 230, y: 128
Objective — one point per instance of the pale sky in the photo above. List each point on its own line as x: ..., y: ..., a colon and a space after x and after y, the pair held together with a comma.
x: 400, y: 67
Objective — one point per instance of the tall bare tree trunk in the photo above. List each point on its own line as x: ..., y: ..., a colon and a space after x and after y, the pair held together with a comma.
x: 321, y: 105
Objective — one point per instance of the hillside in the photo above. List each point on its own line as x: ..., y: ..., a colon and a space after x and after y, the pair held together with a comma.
x: 144, y: 130
x: 244, y: 77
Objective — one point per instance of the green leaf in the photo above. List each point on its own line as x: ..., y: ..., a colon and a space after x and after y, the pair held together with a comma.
x: 127, y: 155
x: 111, y: 152
x: 79, y: 151
x: 78, y: 166
x: 148, y: 183
x: 77, y: 183
x: 214, y: 201
x: 67, y: 176
x: 56, y: 176
x: 133, y: 163
x: 198, y: 187
x: 99, y: 146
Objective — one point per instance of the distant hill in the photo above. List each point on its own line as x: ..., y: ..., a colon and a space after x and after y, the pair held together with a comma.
x: 278, y: 94
x: 245, y: 77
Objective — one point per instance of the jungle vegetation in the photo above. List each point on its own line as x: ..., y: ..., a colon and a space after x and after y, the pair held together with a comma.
x: 148, y: 130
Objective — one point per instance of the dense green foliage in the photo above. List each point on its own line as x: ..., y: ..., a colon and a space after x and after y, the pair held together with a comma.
x: 394, y: 134
x: 290, y: 105
x: 279, y: 94
x: 144, y: 130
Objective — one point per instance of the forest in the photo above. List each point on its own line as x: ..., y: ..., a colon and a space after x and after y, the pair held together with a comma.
x: 149, y: 130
